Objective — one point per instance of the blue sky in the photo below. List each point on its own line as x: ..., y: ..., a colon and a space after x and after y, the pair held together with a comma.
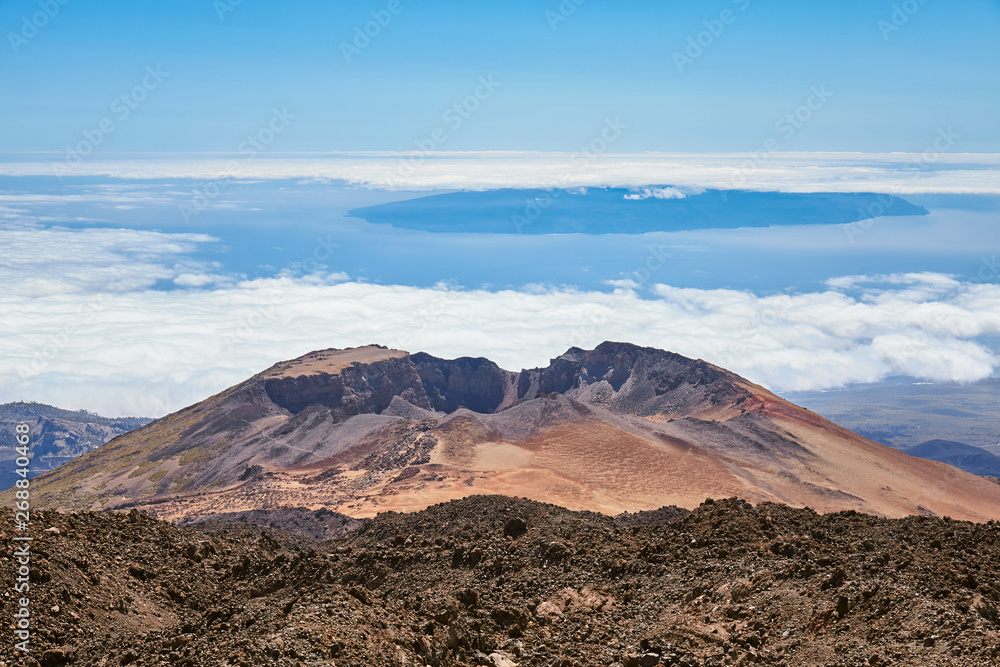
x: 890, y: 88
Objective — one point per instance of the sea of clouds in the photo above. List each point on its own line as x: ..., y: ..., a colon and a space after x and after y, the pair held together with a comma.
x: 934, y: 171
x: 85, y: 326
x: 87, y: 321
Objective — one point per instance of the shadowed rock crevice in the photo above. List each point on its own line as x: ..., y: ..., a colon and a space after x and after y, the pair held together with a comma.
x: 477, y: 384
x: 645, y: 380
x: 356, y: 389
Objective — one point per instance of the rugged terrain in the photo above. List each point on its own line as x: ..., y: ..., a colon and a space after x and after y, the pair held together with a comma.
x: 489, y: 580
x: 292, y: 526
x: 60, y: 435
x: 618, y: 428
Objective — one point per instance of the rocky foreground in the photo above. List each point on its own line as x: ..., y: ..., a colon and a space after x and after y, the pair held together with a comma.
x: 500, y: 581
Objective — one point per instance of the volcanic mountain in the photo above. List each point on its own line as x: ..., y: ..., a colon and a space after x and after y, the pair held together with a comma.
x: 618, y: 428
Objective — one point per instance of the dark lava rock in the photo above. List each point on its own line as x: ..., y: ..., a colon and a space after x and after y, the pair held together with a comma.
x: 447, y: 587
x: 515, y: 527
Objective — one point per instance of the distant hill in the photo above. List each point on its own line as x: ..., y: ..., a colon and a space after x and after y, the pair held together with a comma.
x: 57, y: 435
x: 969, y: 458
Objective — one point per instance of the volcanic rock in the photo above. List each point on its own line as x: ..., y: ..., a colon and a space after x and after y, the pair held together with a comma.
x: 391, y: 593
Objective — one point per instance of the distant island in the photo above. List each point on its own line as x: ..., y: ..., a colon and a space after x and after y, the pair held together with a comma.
x: 627, y: 210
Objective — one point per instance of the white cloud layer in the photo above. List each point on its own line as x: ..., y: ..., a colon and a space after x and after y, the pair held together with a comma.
x: 85, y: 340
x: 42, y: 262
x: 657, y: 193
x: 898, y: 173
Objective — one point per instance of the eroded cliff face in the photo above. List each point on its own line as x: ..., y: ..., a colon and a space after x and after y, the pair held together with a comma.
x: 638, y: 380
x: 357, y: 389
x: 420, y: 379
x: 474, y: 383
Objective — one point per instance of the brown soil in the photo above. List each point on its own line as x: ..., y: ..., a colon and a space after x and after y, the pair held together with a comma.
x: 331, y: 361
